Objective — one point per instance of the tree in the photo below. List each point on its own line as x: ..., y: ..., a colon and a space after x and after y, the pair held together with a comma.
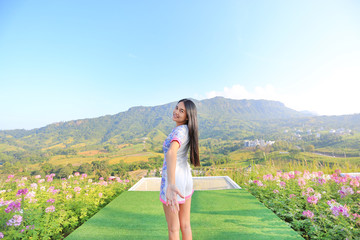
x: 309, y: 148
x: 47, y: 168
x: 85, y: 168
x: 65, y: 171
x: 294, y: 153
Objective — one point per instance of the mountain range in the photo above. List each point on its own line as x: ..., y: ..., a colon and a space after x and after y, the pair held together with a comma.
x: 218, y: 118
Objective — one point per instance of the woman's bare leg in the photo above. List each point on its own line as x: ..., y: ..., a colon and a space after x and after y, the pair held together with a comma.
x: 172, y: 220
x: 184, y: 217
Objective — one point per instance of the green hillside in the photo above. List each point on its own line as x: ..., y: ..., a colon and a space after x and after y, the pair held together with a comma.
x: 223, y: 126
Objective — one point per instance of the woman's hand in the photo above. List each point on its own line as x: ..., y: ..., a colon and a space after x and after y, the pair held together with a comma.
x: 171, y: 197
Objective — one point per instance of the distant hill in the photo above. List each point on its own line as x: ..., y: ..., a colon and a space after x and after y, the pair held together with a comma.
x: 218, y: 118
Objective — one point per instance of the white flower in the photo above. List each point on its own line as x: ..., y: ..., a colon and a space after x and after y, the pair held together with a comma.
x: 326, y: 176
x: 318, y: 195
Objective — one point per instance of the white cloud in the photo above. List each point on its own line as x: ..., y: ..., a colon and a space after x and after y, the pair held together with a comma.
x: 331, y: 89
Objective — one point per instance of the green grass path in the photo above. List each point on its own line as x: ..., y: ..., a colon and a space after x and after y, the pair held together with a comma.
x: 220, y: 214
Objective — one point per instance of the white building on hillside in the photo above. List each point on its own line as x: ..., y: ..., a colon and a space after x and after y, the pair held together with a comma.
x: 256, y: 142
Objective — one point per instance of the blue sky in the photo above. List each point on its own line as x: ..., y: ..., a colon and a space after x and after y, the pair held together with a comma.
x: 66, y: 60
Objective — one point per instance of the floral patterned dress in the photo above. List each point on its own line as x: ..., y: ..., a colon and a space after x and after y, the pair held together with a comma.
x: 183, y: 178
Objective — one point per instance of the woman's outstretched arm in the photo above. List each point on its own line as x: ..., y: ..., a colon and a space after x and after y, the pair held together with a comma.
x: 172, y: 191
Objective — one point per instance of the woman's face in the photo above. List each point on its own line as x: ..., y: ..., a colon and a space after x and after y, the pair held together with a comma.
x: 179, y: 114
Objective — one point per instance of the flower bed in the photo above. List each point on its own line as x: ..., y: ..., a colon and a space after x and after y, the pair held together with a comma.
x: 318, y: 205
x: 48, y: 208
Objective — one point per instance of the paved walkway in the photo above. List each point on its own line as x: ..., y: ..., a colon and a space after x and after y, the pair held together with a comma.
x: 215, y: 214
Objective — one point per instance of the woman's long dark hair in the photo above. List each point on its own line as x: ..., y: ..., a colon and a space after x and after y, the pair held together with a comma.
x: 192, y: 124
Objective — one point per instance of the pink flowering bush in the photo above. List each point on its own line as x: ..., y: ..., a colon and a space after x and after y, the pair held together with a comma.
x: 317, y: 205
x: 35, y: 208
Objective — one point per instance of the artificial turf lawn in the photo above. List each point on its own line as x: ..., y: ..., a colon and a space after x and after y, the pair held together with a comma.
x: 216, y: 214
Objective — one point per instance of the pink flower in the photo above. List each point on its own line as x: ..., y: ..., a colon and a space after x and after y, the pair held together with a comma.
x: 301, y: 182
x: 292, y: 195
x: 340, y: 210
x: 354, y: 182
x: 51, y: 189
x: 15, y: 221
x: 51, y: 200
x: 308, y: 191
x: 127, y: 180
x: 76, y: 174
x: 285, y: 176
x: 101, y: 178
x: 344, y: 191
x: 257, y: 182
x: 317, y: 195
x: 77, y: 189
x: 11, y: 176
x: 55, y: 191
x: 84, y: 175
x: 50, y: 209
x: 37, y: 176
x: 22, y: 192
x: 30, y: 195
x: 13, y: 206
x: 332, y: 202
x: 312, y: 200
x: 276, y: 191
x: 100, y: 195
x: 282, y: 184
x: 268, y: 177
x: 308, y: 214
x: 321, y: 181
x: 306, y: 175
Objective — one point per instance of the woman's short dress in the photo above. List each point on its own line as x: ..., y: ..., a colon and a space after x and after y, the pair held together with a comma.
x: 183, y: 178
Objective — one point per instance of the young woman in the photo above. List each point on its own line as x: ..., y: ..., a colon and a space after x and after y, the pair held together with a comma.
x: 176, y: 182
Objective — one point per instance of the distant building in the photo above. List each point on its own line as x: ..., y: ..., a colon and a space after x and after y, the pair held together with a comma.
x: 256, y: 142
